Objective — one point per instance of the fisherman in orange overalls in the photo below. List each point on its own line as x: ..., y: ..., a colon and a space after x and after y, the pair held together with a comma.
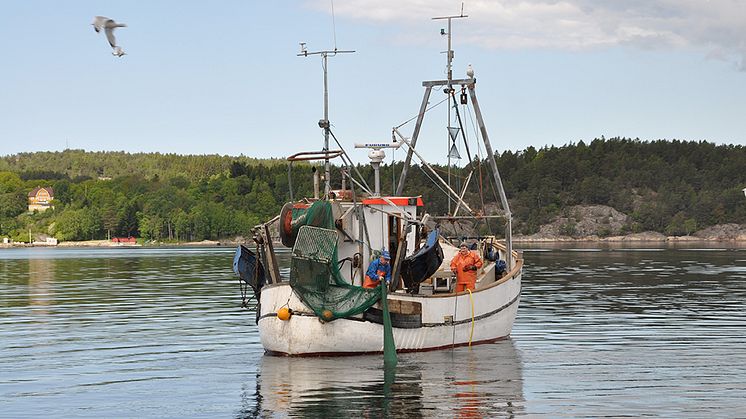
x: 465, y: 265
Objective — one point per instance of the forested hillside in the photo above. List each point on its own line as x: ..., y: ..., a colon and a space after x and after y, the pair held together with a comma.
x: 671, y: 187
x: 79, y: 164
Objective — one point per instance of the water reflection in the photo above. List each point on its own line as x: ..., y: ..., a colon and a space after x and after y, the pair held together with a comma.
x: 480, y: 382
x: 160, y: 333
x: 40, y: 290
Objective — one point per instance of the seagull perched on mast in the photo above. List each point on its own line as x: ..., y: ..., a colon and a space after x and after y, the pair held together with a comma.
x: 108, y: 25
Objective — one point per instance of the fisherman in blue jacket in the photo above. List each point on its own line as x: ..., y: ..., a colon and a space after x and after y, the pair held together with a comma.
x: 379, y: 269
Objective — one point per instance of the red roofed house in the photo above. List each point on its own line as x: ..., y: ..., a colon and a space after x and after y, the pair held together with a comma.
x: 40, y: 199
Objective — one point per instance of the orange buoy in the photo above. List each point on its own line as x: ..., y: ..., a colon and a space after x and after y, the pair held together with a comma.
x: 327, y: 314
x: 284, y: 313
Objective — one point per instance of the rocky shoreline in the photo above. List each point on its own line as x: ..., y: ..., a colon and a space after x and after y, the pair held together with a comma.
x: 110, y: 244
x: 603, y: 224
x: 717, y: 234
x: 721, y: 233
x: 582, y: 224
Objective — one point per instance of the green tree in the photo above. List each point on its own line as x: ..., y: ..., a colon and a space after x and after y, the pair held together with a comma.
x: 151, y: 226
x: 69, y: 225
x: 182, y: 224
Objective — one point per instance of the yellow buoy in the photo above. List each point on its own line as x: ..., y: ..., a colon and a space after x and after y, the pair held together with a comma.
x: 284, y: 313
x: 327, y: 314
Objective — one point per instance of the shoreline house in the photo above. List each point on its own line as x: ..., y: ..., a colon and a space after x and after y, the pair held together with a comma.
x: 40, y: 199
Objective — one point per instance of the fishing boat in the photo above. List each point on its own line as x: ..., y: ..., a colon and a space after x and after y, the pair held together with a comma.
x: 334, y: 235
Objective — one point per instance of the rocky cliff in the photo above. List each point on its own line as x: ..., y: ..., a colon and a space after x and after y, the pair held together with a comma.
x: 603, y: 223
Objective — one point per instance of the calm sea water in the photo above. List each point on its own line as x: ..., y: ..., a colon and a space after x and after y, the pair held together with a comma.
x: 159, y: 333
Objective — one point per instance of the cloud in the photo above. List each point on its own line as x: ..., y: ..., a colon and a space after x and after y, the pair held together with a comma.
x: 716, y: 27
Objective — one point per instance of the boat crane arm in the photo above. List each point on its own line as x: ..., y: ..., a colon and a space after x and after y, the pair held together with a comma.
x: 315, y: 155
x: 451, y: 191
x: 463, y: 192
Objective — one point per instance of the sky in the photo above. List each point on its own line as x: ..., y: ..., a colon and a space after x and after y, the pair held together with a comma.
x: 224, y: 77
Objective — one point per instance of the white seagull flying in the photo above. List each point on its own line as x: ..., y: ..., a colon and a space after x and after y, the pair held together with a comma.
x: 108, y: 25
x: 118, y: 52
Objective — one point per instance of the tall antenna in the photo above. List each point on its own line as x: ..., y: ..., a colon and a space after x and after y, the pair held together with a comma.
x: 449, y: 60
x: 334, y: 26
x: 324, y: 123
x: 449, y: 53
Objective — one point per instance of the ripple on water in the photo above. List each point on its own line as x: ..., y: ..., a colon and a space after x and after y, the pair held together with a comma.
x: 159, y: 332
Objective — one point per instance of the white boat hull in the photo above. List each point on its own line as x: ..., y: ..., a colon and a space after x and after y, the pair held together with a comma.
x: 447, y: 320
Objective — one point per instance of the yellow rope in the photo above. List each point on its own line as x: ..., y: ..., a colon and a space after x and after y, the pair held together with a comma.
x: 471, y: 299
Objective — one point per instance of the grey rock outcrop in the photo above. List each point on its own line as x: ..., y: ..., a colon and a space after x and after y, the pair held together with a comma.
x: 580, y: 221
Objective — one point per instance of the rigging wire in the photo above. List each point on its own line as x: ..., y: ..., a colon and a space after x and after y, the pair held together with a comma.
x: 479, y: 168
x: 490, y: 179
x: 481, y: 187
x: 451, y: 140
x: 436, y: 183
x: 393, y: 171
x: 344, y: 153
x: 461, y: 125
x: 360, y: 214
x: 443, y: 172
x: 416, y: 116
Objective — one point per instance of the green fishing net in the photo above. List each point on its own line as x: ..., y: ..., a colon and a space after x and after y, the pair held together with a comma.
x: 314, y: 269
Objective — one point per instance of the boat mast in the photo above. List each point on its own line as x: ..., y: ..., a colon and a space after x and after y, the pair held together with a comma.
x: 429, y: 86
x: 469, y: 83
x: 324, y: 123
x: 449, y: 66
